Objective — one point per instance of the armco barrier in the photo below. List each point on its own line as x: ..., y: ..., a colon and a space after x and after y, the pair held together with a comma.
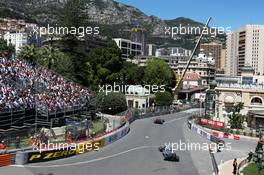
x: 48, y: 155
x: 116, y: 135
x: 5, y: 159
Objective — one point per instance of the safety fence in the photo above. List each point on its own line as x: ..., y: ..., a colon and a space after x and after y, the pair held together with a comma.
x: 242, y: 164
x: 20, y: 157
x: 200, y: 131
x: 35, y: 156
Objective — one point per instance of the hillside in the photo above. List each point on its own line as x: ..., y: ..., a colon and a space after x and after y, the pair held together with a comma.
x: 114, y: 18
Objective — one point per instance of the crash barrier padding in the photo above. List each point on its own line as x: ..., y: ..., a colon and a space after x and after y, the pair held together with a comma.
x: 201, y: 132
x: 225, y: 135
x: 5, y: 159
x: 214, y: 139
x: 37, y: 156
x: 213, y: 133
x: 21, y: 158
x: 116, y: 135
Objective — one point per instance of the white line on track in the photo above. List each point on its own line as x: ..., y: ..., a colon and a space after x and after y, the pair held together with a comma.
x: 86, y: 162
x: 98, y: 159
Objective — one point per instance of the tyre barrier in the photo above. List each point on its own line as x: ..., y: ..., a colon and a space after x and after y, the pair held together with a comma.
x: 225, y: 135
x: 5, y: 159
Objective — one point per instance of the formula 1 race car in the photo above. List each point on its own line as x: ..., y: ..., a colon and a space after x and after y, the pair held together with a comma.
x: 159, y: 121
x: 169, y: 154
x: 220, y: 145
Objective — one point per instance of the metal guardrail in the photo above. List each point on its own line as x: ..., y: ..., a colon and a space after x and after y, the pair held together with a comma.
x: 240, y: 165
x: 214, y: 163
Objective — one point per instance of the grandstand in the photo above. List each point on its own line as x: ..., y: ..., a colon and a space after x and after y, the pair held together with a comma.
x: 31, y: 97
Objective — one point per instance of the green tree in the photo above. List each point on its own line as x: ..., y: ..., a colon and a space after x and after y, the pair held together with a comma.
x: 3, y: 45
x: 236, y: 119
x: 75, y: 16
x: 106, y: 63
x: 111, y: 103
x: 9, y: 49
x: 157, y: 72
x: 29, y: 53
x: 47, y: 55
x: 163, y: 98
x: 132, y: 73
x: 63, y: 65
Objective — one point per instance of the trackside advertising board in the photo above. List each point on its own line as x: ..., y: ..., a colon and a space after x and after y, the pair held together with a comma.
x: 212, y: 123
x: 116, y: 135
x: 34, y: 157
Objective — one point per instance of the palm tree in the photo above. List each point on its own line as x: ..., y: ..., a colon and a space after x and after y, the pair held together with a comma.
x: 28, y: 52
x: 46, y: 56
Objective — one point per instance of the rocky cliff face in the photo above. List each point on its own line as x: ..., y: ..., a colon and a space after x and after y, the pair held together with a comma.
x: 116, y: 18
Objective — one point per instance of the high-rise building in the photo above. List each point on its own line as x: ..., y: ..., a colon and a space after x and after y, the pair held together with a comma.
x: 138, y: 36
x: 245, y: 47
x: 222, y: 59
x: 213, y: 49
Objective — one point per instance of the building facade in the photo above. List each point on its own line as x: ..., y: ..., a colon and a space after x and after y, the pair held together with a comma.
x: 173, y: 51
x: 128, y: 48
x: 222, y: 59
x: 245, y: 46
x: 18, y: 40
x: 247, y: 89
x: 137, y: 97
x: 11, y: 25
x: 151, y: 50
x: 215, y: 50
x: 202, y: 65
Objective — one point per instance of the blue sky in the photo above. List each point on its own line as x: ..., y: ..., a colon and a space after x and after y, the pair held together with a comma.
x: 233, y: 13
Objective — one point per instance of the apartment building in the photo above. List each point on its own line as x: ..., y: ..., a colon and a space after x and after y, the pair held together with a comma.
x: 173, y: 51
x: 245, y: 46
x: 213, y: 49
x: 18, y: 40
x: 202, y: 65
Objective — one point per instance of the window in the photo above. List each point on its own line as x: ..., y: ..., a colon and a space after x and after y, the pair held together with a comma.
x: 256, y: 101
x: 136, y: 104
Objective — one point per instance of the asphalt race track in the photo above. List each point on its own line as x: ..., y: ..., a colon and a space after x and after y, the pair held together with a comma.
x: 135, y: 154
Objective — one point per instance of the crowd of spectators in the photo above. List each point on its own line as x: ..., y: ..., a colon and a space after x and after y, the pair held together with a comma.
x: 27, y: 85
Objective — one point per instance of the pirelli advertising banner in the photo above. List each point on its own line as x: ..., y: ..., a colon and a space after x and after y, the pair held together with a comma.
x: 34, y: 157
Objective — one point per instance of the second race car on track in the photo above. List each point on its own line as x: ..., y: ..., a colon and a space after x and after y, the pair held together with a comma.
x: 159, y: 121
x: 169, y: 154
